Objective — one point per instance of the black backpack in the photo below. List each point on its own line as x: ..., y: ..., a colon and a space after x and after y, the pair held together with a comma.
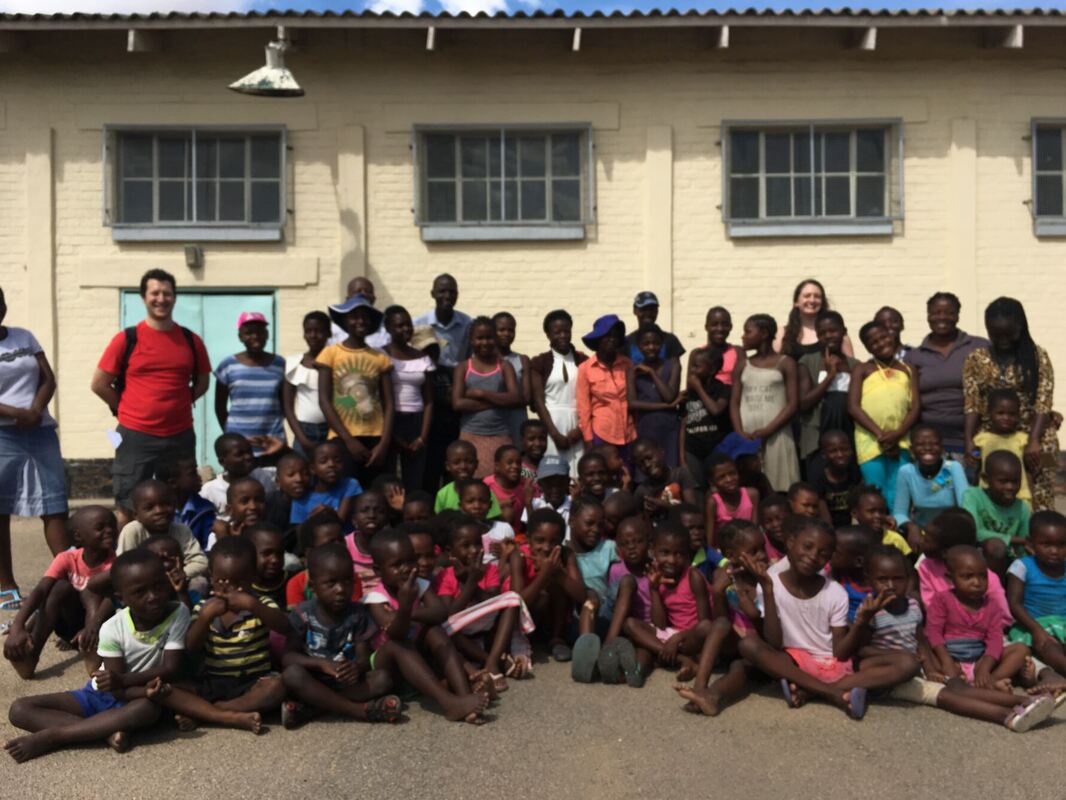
x: 119, y: 384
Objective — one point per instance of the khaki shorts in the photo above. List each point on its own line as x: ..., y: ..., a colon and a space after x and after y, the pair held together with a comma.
x: 918, y: 691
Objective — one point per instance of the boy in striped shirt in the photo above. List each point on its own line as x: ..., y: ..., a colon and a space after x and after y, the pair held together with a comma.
x: 230, y: 633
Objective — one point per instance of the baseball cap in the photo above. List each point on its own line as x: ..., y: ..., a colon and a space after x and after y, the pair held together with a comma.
x: 551, y: 466
x: 250, y: 316
x: 644, y: 299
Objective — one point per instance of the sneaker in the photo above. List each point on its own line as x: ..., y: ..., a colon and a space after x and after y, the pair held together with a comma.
x: 586, y: 653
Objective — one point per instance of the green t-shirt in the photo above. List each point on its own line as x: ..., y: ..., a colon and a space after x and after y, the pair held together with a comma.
x: 447, y: 497
x: 995, y: 521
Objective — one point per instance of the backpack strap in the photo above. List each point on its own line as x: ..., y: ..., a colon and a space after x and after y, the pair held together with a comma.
x: 119, y: 384
x: 189, y: 337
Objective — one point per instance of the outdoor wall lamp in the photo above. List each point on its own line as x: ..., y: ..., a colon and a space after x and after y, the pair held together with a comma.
x: 272, y: 80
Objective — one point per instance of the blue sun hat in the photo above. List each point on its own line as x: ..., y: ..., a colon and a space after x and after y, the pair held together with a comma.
x: 603, y: 326
x: 339, y: 312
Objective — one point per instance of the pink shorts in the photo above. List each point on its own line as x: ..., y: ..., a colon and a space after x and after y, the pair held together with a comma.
x: 825, y: 669
x: 662, y: 634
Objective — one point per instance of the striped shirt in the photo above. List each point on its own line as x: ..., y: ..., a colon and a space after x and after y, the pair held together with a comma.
x: 897, y: 631
x: 240, y: 650
x: 255, y: 401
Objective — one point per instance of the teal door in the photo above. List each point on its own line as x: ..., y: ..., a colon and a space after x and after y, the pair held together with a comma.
x: 214, y: 318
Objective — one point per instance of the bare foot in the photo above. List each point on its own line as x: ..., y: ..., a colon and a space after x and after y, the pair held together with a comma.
x: 63, y: 646
x: 459, y: 708
x: 1027, y: 677
x: 251, y: 721
x: 700, y: 701
x: 119, y: 741
x: 686, y: 673
x: 184, y: 723
x: 799, y: 696
x: 482, y: 683
x: 26, y: 747
x: 1003, y: 685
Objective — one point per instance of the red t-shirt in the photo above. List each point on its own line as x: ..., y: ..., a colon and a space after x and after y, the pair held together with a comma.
x: 70, y: 566
x: 447, y: 585
x: 156, y: 400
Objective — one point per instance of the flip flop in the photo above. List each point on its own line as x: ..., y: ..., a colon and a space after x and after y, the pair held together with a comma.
x: 560, y: 652
x: 13, y: 602
x: 786, y: 690
x: 1028, y: 717
x: 609, y: 663
x: 857, y: 701
x: 586, y: 652
x: 627, y: 660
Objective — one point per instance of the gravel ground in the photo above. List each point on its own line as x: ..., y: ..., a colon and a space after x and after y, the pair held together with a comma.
x: 550, y: 737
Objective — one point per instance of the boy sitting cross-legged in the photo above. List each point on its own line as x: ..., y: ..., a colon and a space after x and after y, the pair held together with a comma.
x: 140, y: 646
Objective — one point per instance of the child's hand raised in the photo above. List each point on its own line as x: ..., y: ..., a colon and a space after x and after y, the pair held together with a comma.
x: 394, y: 495
x: 757, y: 568
x: 507, y: 546
x: 723, y: 579
x: 871, y: 604
x: 408, y: 592
x: 176, y: 575
x: 655, y: 578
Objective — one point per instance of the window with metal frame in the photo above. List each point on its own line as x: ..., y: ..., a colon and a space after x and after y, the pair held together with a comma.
x: 525, y: 182
x: 1049, y: 174
x: 212, y: 180
x: 811, y: 178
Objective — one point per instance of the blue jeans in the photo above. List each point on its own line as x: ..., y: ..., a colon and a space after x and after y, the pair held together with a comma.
x: 882, y: 472
x: 317, y: 432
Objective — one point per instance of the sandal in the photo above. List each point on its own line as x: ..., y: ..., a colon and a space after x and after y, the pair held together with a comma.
x: 1028, y: 717
x: 13, y: 601
x: 560, y: 652
x: 517, y: 667
x: 384, y: 709
x: 857, y: 700
x: 292, y: 714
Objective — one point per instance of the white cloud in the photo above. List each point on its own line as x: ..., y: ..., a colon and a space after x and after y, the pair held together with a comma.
x: 397, y: 6
x: 473, y: 6
x: 118, y: 6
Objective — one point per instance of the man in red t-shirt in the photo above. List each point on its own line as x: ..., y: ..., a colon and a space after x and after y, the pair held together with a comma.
x: 155, y: 408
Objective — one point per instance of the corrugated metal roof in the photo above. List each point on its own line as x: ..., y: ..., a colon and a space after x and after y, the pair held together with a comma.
x: 843, y: 16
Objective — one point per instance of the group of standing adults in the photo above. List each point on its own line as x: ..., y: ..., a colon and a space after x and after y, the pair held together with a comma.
x: 150, y: 375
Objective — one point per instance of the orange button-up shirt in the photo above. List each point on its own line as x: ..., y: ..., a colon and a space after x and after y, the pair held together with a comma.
x: 602, y: 401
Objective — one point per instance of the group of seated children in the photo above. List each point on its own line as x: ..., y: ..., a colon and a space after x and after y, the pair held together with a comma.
x: 318, y: 596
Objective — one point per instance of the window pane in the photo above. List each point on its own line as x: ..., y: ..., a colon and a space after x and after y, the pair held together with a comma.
x: 778, y: 201
x: 777, y: 152
x: 206, y: 202
x: 801, y: 149
x: 510, y: 158
x: 136, y: 156
x: 510, y: 190
x: 474, y: 154
x: 231, y: 158
x: 566, y: 154
x: 837, y: 197
x: 206, y: 158
x: 475, y: 202
x: 266, y: 201
x: 494, y: 158
x: 743, y: 152
x: 566, y: 201
x: 836, y: 152
x: 266, y: 157
x: 744, y: 198
x: 136, y: 201
x: 801, y: 195
x: 533, y: 158
x: 441, y: 202
x: 440, y: 156
x: 171, y: 201
x: 533, y: 200
x: 869, y: 196
x: 231, y: 201
x: 870, y: 151
x: 1049, y: 195
x: 495, y: 201
x: 1049, y: 148
x: 172, y: 158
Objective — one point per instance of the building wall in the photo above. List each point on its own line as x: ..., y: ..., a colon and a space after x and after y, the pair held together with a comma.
x: 656, y: 100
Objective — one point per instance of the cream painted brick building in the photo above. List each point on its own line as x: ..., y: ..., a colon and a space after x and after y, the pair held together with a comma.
x: 655, y: 93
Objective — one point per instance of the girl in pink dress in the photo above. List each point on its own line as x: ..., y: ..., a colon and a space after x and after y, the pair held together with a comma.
x: 727, y: 500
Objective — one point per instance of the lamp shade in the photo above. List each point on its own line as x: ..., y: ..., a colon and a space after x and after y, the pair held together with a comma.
x: 272, y: 80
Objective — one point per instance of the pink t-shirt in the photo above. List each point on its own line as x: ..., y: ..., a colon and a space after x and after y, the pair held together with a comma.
x: 70, y: 566
x: 947, y: 619
x: 363, y: 564
x: 722, y: 515
x: 932, y: 580
x: 682, y: 612
x: 446, y: 584
x: 516, y: 497
x: 806, y: 623
x: 641, y: 605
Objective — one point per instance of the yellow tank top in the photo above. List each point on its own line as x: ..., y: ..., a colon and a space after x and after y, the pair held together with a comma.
x: 886, y: 399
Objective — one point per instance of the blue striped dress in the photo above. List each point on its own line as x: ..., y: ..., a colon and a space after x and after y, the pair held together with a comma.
x: 254, y: 397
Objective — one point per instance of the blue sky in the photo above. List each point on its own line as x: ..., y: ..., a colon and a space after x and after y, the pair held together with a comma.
x: 472, y: 6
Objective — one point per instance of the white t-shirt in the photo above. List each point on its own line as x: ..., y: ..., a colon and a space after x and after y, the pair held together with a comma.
x: 499, y: 532
x: 19, y: 373
x: 216, y: 488
x: 305, y: 381
x: 408, y: 375
x: 563, y: 510
x: 142, y: 650
x: 805, y: 624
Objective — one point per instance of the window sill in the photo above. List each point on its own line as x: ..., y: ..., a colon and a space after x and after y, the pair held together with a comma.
x: 502, y: 233
x: 1054, y: 226
x: 192, y: 233
x: 745, y: 230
